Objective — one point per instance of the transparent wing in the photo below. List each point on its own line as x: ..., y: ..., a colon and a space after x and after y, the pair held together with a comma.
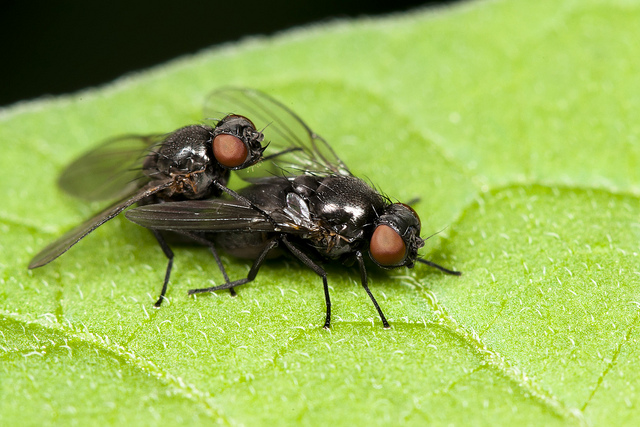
x: 73, y: 236
x: 112, y: 170
x: 212, y: 215
x: 293, y: 146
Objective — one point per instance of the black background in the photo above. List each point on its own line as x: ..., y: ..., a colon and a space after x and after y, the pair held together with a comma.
x: 53, y: 47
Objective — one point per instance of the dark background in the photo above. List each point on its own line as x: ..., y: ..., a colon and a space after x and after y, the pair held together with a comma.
x: 53, y: 47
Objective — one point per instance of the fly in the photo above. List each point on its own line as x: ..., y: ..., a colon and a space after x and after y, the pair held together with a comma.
x: 193, y: 162
x: 317, y: 211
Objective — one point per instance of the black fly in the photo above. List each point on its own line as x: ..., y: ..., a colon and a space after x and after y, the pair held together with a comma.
x: 192, y: 162
x: 317, y: 210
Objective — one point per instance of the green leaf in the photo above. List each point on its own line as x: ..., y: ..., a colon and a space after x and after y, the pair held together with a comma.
x: 516, y: 123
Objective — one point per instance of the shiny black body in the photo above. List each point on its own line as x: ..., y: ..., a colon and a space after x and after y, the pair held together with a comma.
x: 152, y: 169
x: 320, y: 213
x: 331, y: 215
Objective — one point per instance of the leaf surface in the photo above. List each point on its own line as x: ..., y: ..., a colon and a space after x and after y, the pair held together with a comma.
x: 515, y: 122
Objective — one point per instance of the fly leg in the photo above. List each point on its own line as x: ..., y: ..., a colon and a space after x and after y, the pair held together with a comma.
x: 413, y: 201
x: 213, y: 250
x: 439, y: 267
x: 280, y: 153
x: 364, y: 280
x: 252, y: 272
x: 318, y: 270
x: 169, y: 254
x: 245, y: 201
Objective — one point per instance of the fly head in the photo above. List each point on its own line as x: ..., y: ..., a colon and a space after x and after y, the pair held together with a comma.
x: 237, y: 142
x: 396, y: 237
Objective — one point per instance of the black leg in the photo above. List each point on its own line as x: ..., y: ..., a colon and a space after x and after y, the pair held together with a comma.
x: 364, y: 280
x: 413, y: 201
x: 252, y: 272
x: 169, y: 254
x: 212, y: 248
x: 280, y: 153
x: 245, y: 201
x: 318, y: 270
x: 439, y: 267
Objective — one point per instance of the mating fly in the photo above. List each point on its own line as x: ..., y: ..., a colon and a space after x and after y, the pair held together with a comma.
x: 193, y: 162
x: 313, y: 208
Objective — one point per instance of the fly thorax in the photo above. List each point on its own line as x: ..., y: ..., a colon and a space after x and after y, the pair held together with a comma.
x: 184, y: 151
x: 305, y: 185
x: 186, y: 158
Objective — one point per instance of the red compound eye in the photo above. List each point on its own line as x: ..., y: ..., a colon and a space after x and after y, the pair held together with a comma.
x: 387, y: 247
x: 229, y: 150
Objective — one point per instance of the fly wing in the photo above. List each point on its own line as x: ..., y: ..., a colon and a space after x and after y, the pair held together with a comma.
x: 113, y: 170
x: 73, y: 236
x: 212, y: 215
x: 293, y: 146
